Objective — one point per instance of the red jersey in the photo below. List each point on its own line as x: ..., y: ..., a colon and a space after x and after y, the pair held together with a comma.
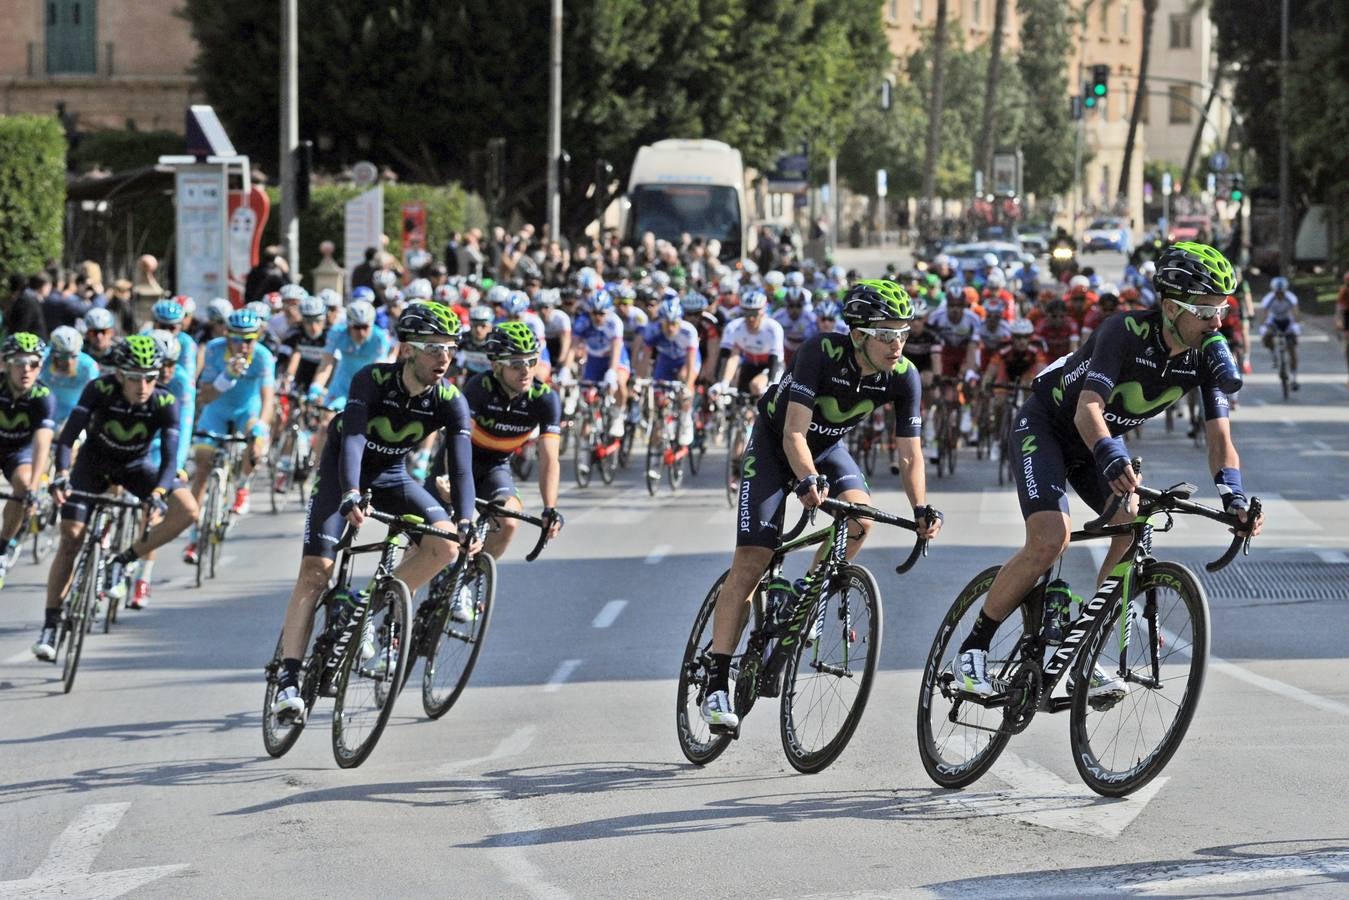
x: 1058, y: 338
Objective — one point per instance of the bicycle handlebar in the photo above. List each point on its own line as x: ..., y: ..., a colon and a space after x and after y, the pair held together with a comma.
x: 127, y: 501
x: 496, y: 510
x: 842, y: 509
x: 235, y: 438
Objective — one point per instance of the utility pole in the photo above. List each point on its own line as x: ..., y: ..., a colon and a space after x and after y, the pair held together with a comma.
x: 1285, y: 206
x: 290, y: 136
x: 834, y: 202
x: 555, y: 126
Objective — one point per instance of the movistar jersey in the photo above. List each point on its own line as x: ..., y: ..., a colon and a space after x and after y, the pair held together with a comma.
x: 1128, y: 363
x: 352, y: 357
x: 120, y: 432
x: 67, y: 388
x: 24, y: 414
x: 382, y: 423
x: 501, y: 424
x: 245, y: 398
x: 826, y: 378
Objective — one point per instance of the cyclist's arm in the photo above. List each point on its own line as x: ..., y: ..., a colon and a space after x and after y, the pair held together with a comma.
x: 550, y: 468
x: 912, y: 469
x: 75, y: 425
x: 615, y: 353
x: 42, y: 445
x: 777, y: 354
x: 169, y: 438
x: 713, y: 357
x: 268, y: 406
x: 1222, y: 453
x: 292, y: 365
x: 730, y: 364
x: 458, y: 451
x: 323, y: 372
x: 794, y: 443
x: 691, y: 369
x: 355, y: 418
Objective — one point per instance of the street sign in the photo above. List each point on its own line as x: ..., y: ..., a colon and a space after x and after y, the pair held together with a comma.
x: 364, y: 173
x: 201, y: 203
x: 363, y: 226
x: 1166, y: 184
x: 1218, y: 161
x: 882, y: 185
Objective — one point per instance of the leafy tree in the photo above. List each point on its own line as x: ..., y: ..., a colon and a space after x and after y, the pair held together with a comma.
x: 983, y: 148
x: 1140, y: 94
x: 1047, y: 138
x: 935, y: 97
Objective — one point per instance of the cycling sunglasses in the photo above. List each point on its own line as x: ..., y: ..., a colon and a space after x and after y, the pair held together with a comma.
x: 1201, y: 310
x: 885, y: 335
x: 431, y: 347
x: 138, y: 376
x: 28, y: 362
x: 526, y: 362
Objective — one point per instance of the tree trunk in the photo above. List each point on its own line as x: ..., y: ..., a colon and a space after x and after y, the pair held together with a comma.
x: 983, y: 151
x: 1198, y: 135
x: 934, y: 115
x: 1140, y: 97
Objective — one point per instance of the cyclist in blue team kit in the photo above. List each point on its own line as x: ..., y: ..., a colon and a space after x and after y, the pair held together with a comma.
x: 352, y: 345
x: 236, y: 391
x: 600, y: 331
x: 390, y: 409
x: 66, y: 370
x: 798, y: 446
x: 671, y: 354
x: 27, y: 423
x: 1068, y: 432
x: 181, y: 378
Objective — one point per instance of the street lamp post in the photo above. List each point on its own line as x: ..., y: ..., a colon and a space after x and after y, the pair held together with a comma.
x: 290, y: 135
x: 1285, y: 207
x: 555, y: 126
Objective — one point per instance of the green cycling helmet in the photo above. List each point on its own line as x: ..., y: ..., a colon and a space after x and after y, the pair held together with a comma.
x: 876, y: 300
x: 1188, y: 267
x: 512, y: 339
x: 21, y: 343
x: 426, y: 318
x: 139, y: 351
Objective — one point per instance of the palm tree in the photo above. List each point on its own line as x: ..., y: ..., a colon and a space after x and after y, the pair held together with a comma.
x: 983, y: 151
x: 934, y: 114
x: 1140, y: 96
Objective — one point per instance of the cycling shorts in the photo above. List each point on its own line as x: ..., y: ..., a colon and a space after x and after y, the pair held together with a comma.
x: 1288, y: 327
x: 747, y: 372
x: 952, y: 362
x: 140, y: 477
x: 1045, y: 462
x: 493, y: 480
x: 12, y: 459
x: 597, y: 366
x: 223, y: 421
x: 392, y: 491
x: 766, y: 479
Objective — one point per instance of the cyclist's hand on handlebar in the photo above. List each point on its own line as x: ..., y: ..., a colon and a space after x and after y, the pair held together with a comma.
x: 554, y: 520
x: 60, y: 488
x: 929, y: 521
x: 812, y: 490
x: 468, y: 538
x: 155, y: 505
x: 352, y: 509
x: 1112, y: 460
x: 1254, y: 526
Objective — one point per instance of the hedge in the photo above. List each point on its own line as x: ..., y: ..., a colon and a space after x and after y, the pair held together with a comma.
x: 32, y: 192
x: 449, y: 208
x: 118, y: 151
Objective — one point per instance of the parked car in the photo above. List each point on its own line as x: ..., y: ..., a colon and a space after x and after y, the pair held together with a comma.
x: 1191, y: 228
x: 1108, y: 234
x: 1034, y: 241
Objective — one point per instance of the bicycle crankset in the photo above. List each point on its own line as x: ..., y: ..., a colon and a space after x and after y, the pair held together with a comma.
x: 1023, y: 696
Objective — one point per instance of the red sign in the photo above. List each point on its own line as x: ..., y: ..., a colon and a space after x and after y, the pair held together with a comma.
x: 414, y: 229
x: 246, y: 223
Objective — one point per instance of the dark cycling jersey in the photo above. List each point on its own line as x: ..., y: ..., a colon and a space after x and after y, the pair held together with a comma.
x: 1128, y: 363
x: 120, y: 432
x: 382, y: 423
x: 918, y: 349
x: 311, y: 354
x: 21, y: 416
x: 471, y: 358
x: 825, y: 377
x: 501, y: 424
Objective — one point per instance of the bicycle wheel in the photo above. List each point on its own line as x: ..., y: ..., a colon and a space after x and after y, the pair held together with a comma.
x: 44, y: 528
x: 367, y: 688
x: 698, y: 449
x: 1120, y: 744
x: 655, y: 453
x: 75, y: 624
x: 278, y: 736
x: 456, y: 645
x: 278, y: 481
x: 958, y: 738
x: 524, y: 461
x: 828, y: 678
x: 204, y: 531
x: 870, y: 442
x: 583, y: 458
x: 733, y: 462
x: 952, y: 442
x: 608, y: 463
x: 1283, y: 370
x: 699, y: 745
x: 674, y: 468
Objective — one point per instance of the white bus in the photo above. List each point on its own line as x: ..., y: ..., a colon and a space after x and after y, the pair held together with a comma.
x: 680, y: 186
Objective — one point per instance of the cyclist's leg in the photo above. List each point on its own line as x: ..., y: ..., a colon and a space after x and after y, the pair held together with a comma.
x: 494, y: 483
x: 140, y: 478
x: 85, y: 477
x: 215, y: 420
x: 323, y: 528
x: 846, y: 483
x: 18, y: 469
x: 1290, y: 336
x: 395, y: 492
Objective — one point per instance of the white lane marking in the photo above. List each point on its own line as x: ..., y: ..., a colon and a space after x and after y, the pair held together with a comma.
x: 1332, y: 556
x: 657, y: 554
x: 520, y: 828
x: 606, y: 616
x: 65, y: 870
x: 1322, y: 445
x: 513, y: 744
x: 559, y: 677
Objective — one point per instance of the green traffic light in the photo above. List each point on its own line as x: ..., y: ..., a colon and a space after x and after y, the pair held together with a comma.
x: 1099, y: 90
x: 1089, y: 102
x: 1236, y: 196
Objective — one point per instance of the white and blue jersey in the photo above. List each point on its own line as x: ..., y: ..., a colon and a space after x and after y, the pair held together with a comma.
x: 67, y: 388
x: 670, y: 353
x: 797, y: 331
x: 598, y: 338
x: 241, y: 404
x: 351, y: 358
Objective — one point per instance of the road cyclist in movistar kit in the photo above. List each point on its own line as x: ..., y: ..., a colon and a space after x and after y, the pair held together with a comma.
x: 121, y: 415
x: 1280, y: 307
x: 670, y: 353
x: 798, y: 446
x: 390, y: 409
x: 1068, y: 432
x: 66, y: 370
x: 27, y: 423
x: 352, y: 345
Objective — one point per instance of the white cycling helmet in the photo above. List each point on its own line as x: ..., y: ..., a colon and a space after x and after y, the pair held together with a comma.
x: 1079, y: 282
x: 796, y: 280
x: 331, y: 298
x: 219, y: 309
x: 383, y: 278
x: 66, y: 341
x: 774, y: 279
x: 1148, y: 269
x: 660, y: 280
x: 1022, y: 328
x: 991, y: 260
x: 498, y: 295
x: 996, y: 279
x: 98, y: 319
x: 729, y: 284
x: 420, y: 289
x: 168, y: 344
x: 360, y: 313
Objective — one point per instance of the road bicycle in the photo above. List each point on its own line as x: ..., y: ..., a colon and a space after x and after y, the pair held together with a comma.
x: 739, y: 416
x: 37, y: 528
x: 594, y: 447
x: 816, y: 649
x: 873, y: 437
x: 217, y: 509
x: 290, y: 459
x: 79, y: 606
x: 664, y: 454
x: 1007, y: 399
x: 1280, y: 350
x: 451, y: 646
x: 946, y: 424
x: 356, y: 654
x: 1148, y: 623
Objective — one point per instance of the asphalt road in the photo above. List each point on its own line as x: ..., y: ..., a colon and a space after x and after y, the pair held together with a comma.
x: 558, y: 773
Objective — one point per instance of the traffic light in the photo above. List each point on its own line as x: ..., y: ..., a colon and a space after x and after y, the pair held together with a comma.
x: 1100, y: 83
x: 1088, y: 98
x: 1237, y: 192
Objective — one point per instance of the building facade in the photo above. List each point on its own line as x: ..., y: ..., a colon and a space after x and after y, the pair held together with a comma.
x: 1184, y: 64
x: 109, y: 63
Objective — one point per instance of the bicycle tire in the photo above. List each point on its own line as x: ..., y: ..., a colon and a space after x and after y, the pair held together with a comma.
x: 934, y: 706
x: 76, y: 624
x: 524, y: 462
x: 655, y: 451
x: 696, y: 740
x: 279, y: 737
x: 356, y: 731
x: 1087, y: 724
x: 698, y: 449
x: 869, y: 442
x: 447, y: 657
x: 813, y: 688
x: 276, y: 497
x: 674, y: 469
x: 733, y: 463
x: 583, y: 457
x: 217, y: 531
x: 625, y: 444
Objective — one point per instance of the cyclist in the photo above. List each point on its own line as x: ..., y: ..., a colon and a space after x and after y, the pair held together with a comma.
x: 798, y: 445
x: 507, y: 405
x: 958, y: 325
x: 797, y: 321
x: 100, y: 331
x: 390, y: 408
x: 1068, y: 432
x: 66, y: 370
x: 828, y: 318
x: 556, y: 323
x: 599, y: 331
x: 352, y: 345
x: 996, y: 297
x: 236, y: 391
x: 1057, y: 331
x: 670, y: 353
x: 752, y: 348
x: 517, y: 310
x: 170, y: 316
x: 472, y: 356
x: 121, y: 415
x: 1106, y: 305
x: 1280, y: 306
x: 27, y: 423
x: 305, y: 345
x: 707, y: 326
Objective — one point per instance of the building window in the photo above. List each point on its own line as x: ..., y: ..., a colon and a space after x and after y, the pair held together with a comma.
x: 1105, y: 19
x: 1180, y: 32
x: 977, y: 13
x: 1124, y: 20
x: 71, y: 37
x: 1182, y: 109
x: 918, y: 10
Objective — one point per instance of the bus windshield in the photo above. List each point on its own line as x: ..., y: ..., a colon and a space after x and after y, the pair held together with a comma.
x: 702, y: 210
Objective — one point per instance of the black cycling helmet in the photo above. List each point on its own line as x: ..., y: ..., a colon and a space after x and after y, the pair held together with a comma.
x: 1188, y: 268
x: 876, y: 300
x: 426, y: 318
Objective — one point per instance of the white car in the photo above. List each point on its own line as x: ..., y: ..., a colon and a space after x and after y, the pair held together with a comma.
x: 1108, y: 234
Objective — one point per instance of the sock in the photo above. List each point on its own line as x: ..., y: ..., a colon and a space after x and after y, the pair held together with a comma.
x: 718, y: 679
x: 51, y: 618
x: 290, y: 672
x: 982, y: 634
x: 147, y: 569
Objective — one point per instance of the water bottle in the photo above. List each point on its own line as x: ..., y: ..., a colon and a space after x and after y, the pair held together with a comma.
x: 1058, y: 611
x: 1221, y: 366
x: 778, y: 600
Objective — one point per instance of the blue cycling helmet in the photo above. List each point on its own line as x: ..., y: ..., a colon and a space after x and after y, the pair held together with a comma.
x: 588, y: 280
x: 1278, y: 283
x: 361, y: 293
x: 516, y: 303
x: 693, y: 302
x: 754, y: 299
x: 829, y: 309
x: 243, y: 321
x: 670, y: 310
x: 167, y: 311
x: 601, y: 302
